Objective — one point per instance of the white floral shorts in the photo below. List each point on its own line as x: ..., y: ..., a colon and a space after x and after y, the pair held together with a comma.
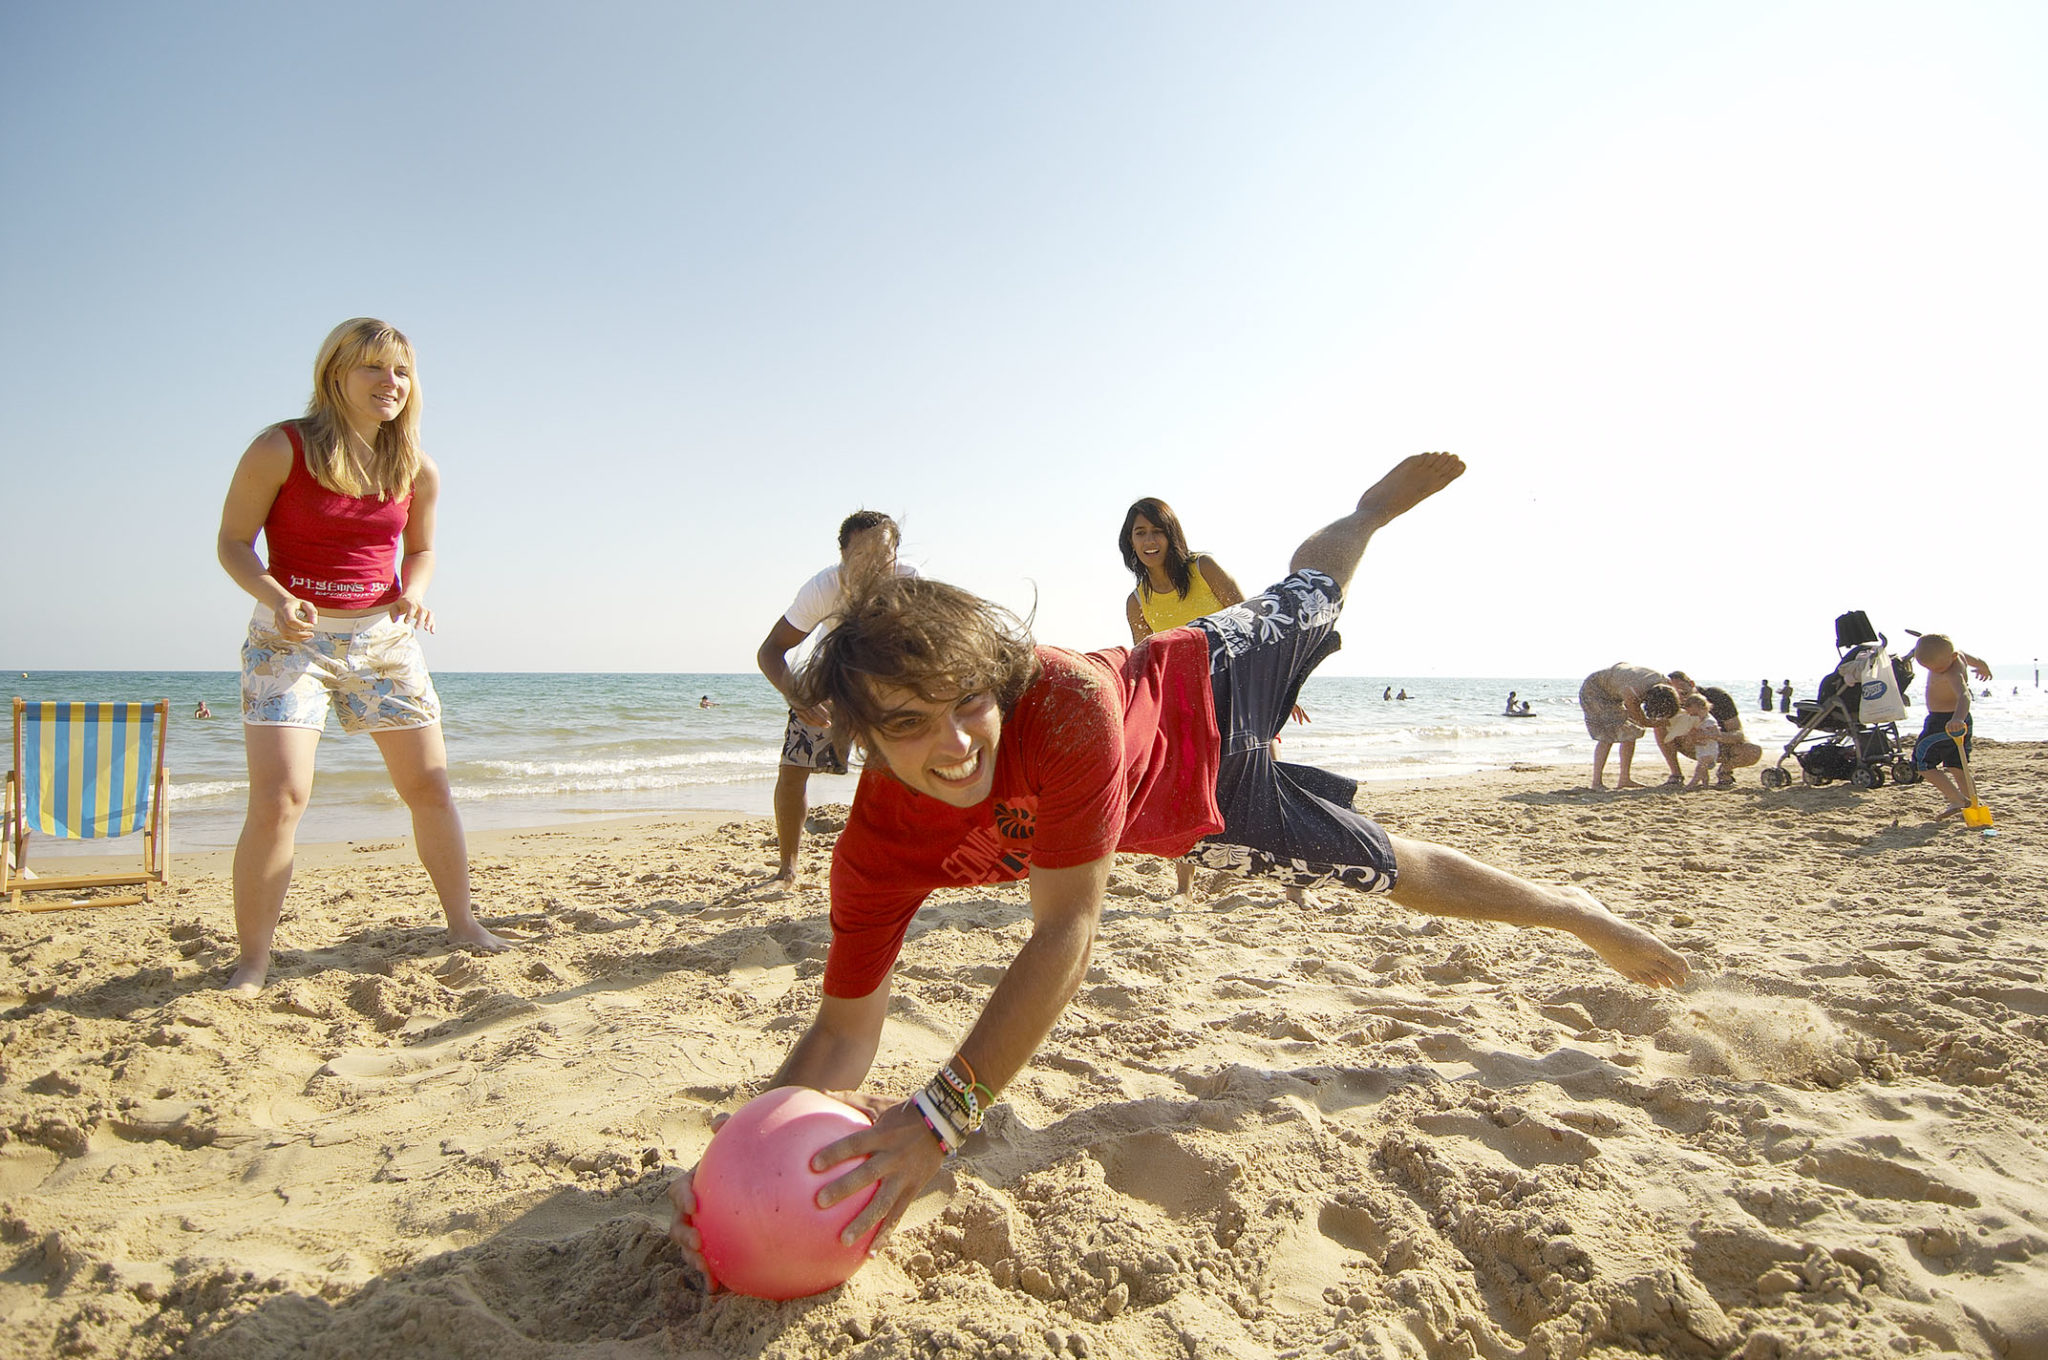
x: 369, y: 670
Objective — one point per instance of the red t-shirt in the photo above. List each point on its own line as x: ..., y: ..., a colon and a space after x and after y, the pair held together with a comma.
x: 1108, y: 751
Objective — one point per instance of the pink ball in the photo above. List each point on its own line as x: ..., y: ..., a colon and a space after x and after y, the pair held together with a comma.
x: 757, y: 1207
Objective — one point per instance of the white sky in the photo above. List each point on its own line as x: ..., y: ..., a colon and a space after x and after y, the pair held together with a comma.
x: 1737, y: 312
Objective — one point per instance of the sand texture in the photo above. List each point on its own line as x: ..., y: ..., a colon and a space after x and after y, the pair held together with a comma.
x: 1260, y: 1130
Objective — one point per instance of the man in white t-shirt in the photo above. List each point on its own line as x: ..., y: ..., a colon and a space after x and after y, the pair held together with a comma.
x: 867, y: 545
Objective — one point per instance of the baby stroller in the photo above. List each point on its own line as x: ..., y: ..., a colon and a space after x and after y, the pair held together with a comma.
x: 1851, y: 730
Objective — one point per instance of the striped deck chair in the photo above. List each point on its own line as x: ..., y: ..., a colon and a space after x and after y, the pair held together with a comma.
x: 86, y: 772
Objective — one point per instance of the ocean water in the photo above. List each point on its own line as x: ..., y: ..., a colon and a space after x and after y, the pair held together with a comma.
x: 540, y: 749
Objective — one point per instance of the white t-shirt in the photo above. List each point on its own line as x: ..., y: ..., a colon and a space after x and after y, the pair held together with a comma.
x: 820, y: 598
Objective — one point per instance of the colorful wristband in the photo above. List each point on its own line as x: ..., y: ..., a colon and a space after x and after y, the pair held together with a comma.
x: 941, y: 1128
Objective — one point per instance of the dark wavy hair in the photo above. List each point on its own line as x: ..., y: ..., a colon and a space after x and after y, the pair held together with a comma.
x: 933, y: 639
x: 1660, y: 701
x: 862, y: 520
x: 1179, y: 561
x: 1720, y: 703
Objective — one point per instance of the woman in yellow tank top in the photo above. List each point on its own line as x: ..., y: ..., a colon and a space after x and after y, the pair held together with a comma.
x: 1175, y: 587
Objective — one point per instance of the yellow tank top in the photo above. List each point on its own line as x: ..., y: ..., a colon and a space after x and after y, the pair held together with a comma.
x: 1172, y: 611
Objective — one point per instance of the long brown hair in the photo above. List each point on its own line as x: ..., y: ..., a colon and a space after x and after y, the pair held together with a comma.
x: 331, y: 456
x: 1179, y: 561
x: 933, y: 639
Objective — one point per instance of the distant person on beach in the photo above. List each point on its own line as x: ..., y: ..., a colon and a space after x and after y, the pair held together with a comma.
x: 1613, y: 703
x: 200, y: 710
x: 992, y: 759
x: 1737, y: 751
x: 705, y: 702
x: 1389, y: 693
x: 1763, y: 696
x: 344, y: 499
x: 1510, y: 710
x: 1694, y: 726
x: 868, y: 540
x: 1785, y: 697
x: 1402, y: 695
x: 1176, y: 586
x: 1522, y: 710
x: 1682, y: 683
x: 1949, y: 722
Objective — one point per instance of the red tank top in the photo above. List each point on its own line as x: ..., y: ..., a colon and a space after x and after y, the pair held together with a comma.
x: 334, y: 550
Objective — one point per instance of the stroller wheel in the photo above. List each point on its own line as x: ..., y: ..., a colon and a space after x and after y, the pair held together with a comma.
x: 1903, y: 772
x: 1865, y: 777
x: 1810, y: 779
x: 1776, y: 778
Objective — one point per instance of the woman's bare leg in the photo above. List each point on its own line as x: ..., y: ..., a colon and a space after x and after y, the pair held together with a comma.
x: 418, y: 761
x: 280, y: 781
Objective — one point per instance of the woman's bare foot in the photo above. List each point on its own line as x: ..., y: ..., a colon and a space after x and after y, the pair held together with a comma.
x: 1629, y: 784
x: 1629, y: 950
x: 247, y: 979
x: 1952, y: 810
x: 472, y: 935
x: 1413, y: 480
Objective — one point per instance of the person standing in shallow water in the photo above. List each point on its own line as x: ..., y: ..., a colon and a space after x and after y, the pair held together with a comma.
x: 1763, y: 697
x: 344, y: 500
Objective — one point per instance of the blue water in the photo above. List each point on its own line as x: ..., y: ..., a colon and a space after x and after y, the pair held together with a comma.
x: 539, y: 749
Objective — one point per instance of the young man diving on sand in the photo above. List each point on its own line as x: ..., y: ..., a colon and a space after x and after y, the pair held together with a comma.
x: 991, y: 759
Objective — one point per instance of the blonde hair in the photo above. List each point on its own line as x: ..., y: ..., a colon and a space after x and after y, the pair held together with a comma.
x: 1935, y: 650
x: 331, y: 456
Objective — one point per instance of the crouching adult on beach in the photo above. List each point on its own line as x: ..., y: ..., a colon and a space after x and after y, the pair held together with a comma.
x: 338, y: 611
x: 992, y: 759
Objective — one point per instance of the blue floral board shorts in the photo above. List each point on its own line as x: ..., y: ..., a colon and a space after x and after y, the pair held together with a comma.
x: 811, y: 748
x: 370, y: 671
x: 1293, y: 823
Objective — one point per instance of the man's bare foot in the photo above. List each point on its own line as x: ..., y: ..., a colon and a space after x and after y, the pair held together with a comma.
x: 1599, y: 784
x: 472, y: 935
x: 1952, y: 810
x: 1630, y: 950
x: 247, y: 979
x: 1413, y: 480
x: 1629, y: 784
x: 785, y: 877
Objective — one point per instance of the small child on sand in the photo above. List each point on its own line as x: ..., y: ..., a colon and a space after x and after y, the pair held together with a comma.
x: 1695, y: 719
x: 1948, y: 720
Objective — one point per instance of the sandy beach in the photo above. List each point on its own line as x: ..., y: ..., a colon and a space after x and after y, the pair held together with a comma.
x: 1258, y: 1131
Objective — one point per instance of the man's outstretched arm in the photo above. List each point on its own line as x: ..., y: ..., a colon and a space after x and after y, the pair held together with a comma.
x: 1066, y: 906
x: 835, y: 1053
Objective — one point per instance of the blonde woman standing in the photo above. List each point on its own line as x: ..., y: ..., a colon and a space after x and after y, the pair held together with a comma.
x: 344, y: 500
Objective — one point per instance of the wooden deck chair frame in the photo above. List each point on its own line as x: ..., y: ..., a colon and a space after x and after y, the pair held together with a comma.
x: 85, y: 771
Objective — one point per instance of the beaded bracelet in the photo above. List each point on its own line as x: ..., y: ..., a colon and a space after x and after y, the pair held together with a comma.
x: 974, y: 1083
x: 960, y: 1093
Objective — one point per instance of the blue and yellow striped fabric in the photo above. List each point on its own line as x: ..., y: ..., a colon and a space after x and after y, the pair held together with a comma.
x: 88, y: 769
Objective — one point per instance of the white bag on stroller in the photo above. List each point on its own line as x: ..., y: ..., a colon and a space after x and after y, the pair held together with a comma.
x: 1880, y: 700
